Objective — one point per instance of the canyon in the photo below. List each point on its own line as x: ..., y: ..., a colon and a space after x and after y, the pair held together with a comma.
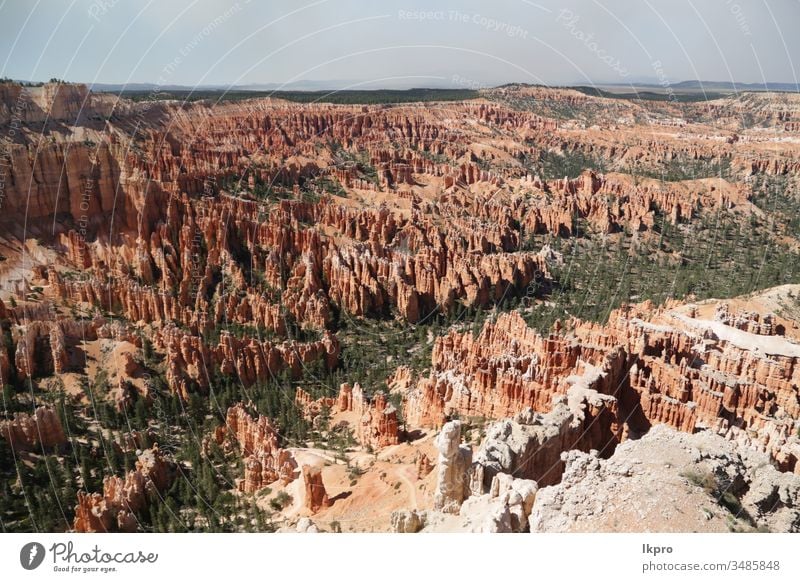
x: 401, y: 317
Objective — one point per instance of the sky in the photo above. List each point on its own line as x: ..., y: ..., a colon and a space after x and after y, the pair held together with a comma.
x: 406, y: 43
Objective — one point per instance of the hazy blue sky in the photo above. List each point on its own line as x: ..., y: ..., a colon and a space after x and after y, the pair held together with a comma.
x: 407, y: 42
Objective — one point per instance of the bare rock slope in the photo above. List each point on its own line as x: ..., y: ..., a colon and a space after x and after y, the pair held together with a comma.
x: 669, y: 481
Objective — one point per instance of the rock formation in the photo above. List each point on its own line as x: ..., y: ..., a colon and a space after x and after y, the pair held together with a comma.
x: 504, y: 509
x: 674, y: 482
x: 530, y: 446
x: 115, y: 509
x: 408, y: 521
x: 192, y: 361
x: 264, y: 461
x: 37, y: 432
x: 452, y: 481
x: 424, y: 465
x: 305, y: 525
x: 646, y: 366
x: 505, y: 369
x: 314, y: 495
x: 376, y: 425
x: 246, y: 241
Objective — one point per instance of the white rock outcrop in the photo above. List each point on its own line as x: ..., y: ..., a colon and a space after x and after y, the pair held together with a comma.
x: 452, y: 482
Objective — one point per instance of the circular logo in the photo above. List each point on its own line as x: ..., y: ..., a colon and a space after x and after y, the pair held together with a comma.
x: 31, y: 555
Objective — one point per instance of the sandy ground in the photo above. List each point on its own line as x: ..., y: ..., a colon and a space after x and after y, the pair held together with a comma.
x: 782, y: 301
x: 365, y: 502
